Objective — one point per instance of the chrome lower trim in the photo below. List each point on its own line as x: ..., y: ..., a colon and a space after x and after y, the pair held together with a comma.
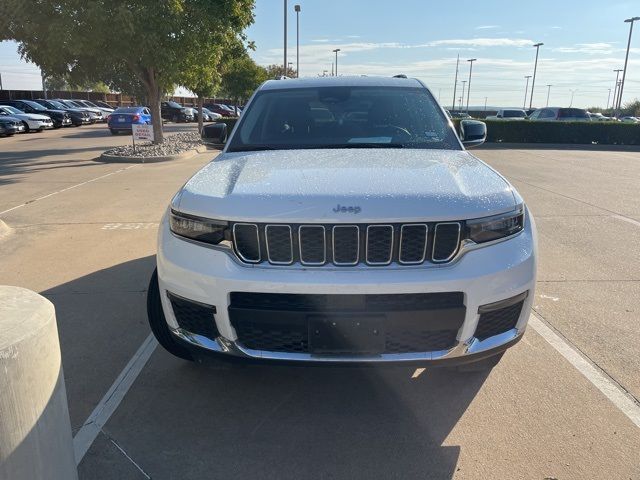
x: 224, y: 346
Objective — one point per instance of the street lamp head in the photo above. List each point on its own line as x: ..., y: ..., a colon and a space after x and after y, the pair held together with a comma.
x: 631, y: 20
x: 528, y: 76
x: 336, y: 50
x: 538, y: 44
x: 296, y: 8
x: 472, y: 60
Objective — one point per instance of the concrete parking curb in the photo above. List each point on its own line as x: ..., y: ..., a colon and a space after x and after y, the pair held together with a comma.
x: 165, y: 158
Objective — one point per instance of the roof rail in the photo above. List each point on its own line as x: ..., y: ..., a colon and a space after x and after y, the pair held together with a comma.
x: 400, y: 75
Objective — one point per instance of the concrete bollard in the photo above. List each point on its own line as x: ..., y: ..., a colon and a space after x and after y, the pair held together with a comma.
x: 35, y: 430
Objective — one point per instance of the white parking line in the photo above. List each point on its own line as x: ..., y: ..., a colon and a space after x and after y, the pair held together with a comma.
x: 611, y: 389
x: 85, y: 437
x: 627, y: 219
x: 65, y: 189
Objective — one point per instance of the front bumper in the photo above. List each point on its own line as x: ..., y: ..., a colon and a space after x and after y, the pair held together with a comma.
x: 39, y: 124
x: 484, y: 275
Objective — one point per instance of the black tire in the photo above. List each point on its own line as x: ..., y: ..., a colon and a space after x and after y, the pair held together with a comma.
x: 175, y: 119
x: 113, y: 132
x: 484, y: 365
x: 158, y: 323
x: 26, y: 127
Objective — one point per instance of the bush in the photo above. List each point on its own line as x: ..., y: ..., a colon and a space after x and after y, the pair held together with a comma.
x: 525, y: 131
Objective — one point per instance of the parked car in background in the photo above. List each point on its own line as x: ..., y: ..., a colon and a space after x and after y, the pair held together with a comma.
x: 175, y: 112
x: 102, y: 104
x: 78, y: 116
x: 220, y: 109
x: 207, y: 115
x: 95, y: 114
x: 630, y: 119
x: 558, y: 114
x: 59, y: 116
x: 122, y: 119
x: 33, y: 122
x: 10, y: 125
x: 460, y: 115
x: 86, y: 103
x: 509, y: 114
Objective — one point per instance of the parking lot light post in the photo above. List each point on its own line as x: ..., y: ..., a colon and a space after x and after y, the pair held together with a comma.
x: 526, y: 91
x: 573, y: 92
x: 535, y: 69
x: 615, y: 91
x: 464, y: 83
x: 455, y: 85
x: 548, y: 92
x: 471, y: 60
x: 336, y: 52
x: 297, y: 9
x: 630, y: 21
x: 608, y: 99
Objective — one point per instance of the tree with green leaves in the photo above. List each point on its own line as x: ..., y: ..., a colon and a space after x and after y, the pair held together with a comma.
x: 277, y: 71
x: 150, y: 43
x: 241, y: 77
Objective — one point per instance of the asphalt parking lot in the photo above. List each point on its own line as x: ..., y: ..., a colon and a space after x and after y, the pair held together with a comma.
x: 562, y: 403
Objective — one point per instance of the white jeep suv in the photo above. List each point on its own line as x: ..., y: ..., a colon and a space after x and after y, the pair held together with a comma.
x: 344, y: 222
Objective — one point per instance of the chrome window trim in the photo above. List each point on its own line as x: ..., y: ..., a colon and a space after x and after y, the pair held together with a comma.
x: 435, y: 235
x: 266, y: 240
x: 426, y: 241
x: 366, y: 254
x: 324, y: 243
x: 333, y: 245
x: 235, y: 243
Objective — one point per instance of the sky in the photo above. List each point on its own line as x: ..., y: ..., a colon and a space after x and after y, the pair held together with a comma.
x: 584, y: 41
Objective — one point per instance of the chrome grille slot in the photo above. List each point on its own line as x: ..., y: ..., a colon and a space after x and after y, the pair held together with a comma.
x: 346, y: 244
x: 379, y: 244
x: 247, y: 242
x: 446, y: 240
x: 279, y: 244
x: 413, y: 243
x: 313, y: 245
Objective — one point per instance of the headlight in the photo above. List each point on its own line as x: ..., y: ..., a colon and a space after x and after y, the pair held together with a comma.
x: 499, y: 226
x: 196, y: 228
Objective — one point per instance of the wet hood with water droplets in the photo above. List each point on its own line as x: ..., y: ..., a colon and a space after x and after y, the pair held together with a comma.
x: 380, y: 185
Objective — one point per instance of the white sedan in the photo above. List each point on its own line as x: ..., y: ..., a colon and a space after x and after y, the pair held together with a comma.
x: 31, y: 121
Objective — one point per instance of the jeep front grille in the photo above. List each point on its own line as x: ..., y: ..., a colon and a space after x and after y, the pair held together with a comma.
x: 347, y: 245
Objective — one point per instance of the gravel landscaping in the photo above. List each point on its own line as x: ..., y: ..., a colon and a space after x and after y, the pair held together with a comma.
x: 173, y: 145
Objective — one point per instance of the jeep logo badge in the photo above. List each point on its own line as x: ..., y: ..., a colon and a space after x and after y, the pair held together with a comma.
x: 342, y: 209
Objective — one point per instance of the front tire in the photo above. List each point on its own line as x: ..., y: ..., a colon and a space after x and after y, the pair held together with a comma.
x: 26, y: 127
x: 158, y: 323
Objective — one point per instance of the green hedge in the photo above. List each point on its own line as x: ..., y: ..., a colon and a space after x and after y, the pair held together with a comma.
x: 525, y: 131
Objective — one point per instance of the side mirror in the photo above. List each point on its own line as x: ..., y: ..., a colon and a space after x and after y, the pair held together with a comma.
x: 472, y: 133
x: 214, y: 134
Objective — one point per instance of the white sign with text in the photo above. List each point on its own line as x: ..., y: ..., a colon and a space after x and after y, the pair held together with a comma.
x: 142, y: 132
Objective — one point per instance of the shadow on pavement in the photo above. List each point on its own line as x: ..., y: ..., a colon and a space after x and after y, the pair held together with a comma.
x: 189, y: 421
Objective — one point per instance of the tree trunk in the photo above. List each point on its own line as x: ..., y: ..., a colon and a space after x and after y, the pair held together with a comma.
x: 153, y: 94
x: 200, y: 119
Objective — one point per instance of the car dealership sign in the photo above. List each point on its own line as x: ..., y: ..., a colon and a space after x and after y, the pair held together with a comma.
x: 142, y: 132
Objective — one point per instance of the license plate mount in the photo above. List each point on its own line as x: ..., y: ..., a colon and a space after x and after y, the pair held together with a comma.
x: 346, y: 334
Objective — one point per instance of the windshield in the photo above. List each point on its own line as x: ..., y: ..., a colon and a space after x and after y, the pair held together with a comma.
x: 514, y: 114
x: 9, y: 109
x: 34, y: 105
x: 127, y: 110
x: 173, y: 105
x: 343, y: 117
x: 60, y: 105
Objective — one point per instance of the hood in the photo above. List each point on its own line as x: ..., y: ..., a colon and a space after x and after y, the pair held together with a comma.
x: 34, y: 116
x: 346, y: 186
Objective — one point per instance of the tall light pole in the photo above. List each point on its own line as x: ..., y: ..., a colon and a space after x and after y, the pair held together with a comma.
x: 626, y: 60
x: 526, y: 91
x: 535, y: 68
x: 608, y: 98
x: 297, y: 9
x: 336, y: 52
x: 464, y: 82
x: 615, y: 92
x: 548, y: 92
x: 455, y: 85
x: 471, y: 60
x: 284, y: 63
x: 485, y: 103
x: 573, y: 91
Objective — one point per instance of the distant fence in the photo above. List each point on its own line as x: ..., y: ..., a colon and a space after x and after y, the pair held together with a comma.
x: 113, y: 99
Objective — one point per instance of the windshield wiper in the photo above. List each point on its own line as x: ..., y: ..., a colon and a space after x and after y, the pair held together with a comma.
x: 365, y: 145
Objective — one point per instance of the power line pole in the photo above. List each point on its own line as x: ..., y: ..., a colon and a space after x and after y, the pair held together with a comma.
x: 455, y: 85
x: 526, y: 91
x: 548, y: 92
x: 535, y: 68
x: 572, y: 94
x: 608, y: 98
x: 485, y: 103
x: 615, y: 92
x: 626, y: 61
x: 284, y: 63
x: 336, y: 52
x: 471, y: 60
x: 464, y: 82
x: 297, y: 9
